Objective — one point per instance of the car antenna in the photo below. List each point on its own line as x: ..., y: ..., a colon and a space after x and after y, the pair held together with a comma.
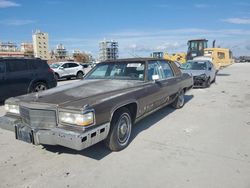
x: 134, y: 55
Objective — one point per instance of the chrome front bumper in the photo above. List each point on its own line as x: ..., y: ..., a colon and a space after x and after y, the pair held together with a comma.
x: 55, y: 136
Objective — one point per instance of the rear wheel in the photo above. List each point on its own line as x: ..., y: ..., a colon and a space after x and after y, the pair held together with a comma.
x: 39, y: 86
x: 120, y: 130
x: 179, y: 101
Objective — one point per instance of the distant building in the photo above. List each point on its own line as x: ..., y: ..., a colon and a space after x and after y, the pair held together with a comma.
x: 27, y: 49
x: 157, y: 55
x: 10, y: 49
x: 11, y: 54
x: 108, y: 50
x: 83, y: 57
x: 60, y: 53
x: 41, y: 45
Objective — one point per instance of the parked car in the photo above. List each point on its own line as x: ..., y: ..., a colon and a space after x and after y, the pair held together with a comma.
x: 67, y: 70
x: 19, y: 76
x: 203, y: 72
x: 103, y: 106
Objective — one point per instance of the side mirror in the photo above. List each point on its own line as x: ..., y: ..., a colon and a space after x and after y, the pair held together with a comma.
x: 61, y: 68
x: 155, y: 77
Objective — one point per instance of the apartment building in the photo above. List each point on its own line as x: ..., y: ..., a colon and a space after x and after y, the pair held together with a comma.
x: 108, y: 50
x: 41, y: 45
x: 27, y: 49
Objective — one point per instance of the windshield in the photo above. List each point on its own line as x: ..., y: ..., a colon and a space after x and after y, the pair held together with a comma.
x: 194, y: 65
x: 54, y: 65
x: 118, y: 71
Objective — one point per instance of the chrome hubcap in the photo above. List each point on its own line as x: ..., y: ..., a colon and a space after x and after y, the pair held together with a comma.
x: 124, y: 129
x: 40, y: 87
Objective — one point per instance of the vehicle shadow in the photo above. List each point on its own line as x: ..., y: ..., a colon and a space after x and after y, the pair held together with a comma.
x: 222, y: 74
x: 155, y: 117
x: 99, y: 151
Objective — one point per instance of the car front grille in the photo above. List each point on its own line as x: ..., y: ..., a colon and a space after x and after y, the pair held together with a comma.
x: 38, y: 118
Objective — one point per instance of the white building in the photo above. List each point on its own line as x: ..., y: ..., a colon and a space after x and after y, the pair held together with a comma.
x: 8, y: 47
x: 60, y: 52
x: 108, y: 50
x: 41, y: 45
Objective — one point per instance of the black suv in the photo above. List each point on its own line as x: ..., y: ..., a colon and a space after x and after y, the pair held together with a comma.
x: 19, y: 76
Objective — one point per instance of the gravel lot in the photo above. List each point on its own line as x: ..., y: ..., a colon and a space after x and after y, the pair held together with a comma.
x: 206, y: 144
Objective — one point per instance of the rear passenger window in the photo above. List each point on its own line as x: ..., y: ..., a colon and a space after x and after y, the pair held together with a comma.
x: 17, y: 66
x: 168, y: 73
x: 38, y: 64
x: 2, y: 67
x: 66, y: 65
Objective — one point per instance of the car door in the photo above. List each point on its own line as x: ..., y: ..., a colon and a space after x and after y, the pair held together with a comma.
x: 154, y: 95
x: 64, y: 70
x: 3, y: 83
x: 18, y: 76
x: 73, y: 68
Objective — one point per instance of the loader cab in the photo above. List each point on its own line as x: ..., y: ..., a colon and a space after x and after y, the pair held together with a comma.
x: 196, y: 48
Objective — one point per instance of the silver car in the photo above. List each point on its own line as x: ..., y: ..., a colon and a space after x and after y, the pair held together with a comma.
x: 203, y: 72
x: 67, y: 70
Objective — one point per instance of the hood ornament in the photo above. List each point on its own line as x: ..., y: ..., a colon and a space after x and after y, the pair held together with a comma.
x: 37, y: 96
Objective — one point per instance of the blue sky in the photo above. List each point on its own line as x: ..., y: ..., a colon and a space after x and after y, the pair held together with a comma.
x: 139, y: 26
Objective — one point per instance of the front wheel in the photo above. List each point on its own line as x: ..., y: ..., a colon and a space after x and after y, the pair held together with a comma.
x: 179, y: 101
x: 120, y: 130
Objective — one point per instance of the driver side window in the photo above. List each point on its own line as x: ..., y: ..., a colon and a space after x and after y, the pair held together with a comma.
x: 154, y: 69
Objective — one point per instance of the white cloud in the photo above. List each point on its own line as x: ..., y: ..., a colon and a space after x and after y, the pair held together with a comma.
x: 202, y: 6
x: 237, y: 20
x: 6, y: 4
x: 144, y: 42
x: 16, y: 22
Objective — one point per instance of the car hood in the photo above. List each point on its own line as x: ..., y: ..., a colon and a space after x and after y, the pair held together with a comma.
x: 194, y: 72
x: 83, y: 92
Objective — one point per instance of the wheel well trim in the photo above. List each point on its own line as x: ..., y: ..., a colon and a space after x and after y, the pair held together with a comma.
x: 122, y: 105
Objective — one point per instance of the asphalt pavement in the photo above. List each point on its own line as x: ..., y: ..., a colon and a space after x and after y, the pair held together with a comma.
x: 206, y: 144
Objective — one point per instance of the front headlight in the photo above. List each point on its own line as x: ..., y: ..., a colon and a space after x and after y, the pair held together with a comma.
x: 12, y: 108
x: 77, y: 118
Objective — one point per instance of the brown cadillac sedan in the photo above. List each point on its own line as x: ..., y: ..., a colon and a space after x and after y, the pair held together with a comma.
x: 103, y: 106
